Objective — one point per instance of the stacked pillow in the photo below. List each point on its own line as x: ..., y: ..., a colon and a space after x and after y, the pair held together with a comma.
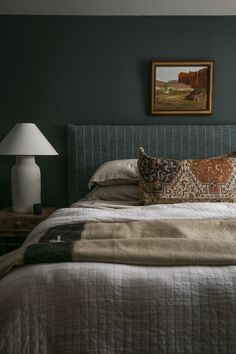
x: 115, y: 172
x: 115, y: 181
x: 119, y: 192
x: 165, y: 181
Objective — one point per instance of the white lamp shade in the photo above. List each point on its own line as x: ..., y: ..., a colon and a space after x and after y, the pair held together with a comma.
x: 26, y: 139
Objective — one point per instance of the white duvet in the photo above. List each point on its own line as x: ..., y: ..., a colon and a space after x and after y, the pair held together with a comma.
x: 73, y: 308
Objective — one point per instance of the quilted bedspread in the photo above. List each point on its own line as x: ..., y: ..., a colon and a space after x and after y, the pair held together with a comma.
x: 117, y: 308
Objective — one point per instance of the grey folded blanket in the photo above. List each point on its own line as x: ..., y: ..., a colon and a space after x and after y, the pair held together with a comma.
x: 166, y: 242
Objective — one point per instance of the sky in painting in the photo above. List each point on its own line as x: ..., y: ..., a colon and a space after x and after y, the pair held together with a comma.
x: 168, y: 73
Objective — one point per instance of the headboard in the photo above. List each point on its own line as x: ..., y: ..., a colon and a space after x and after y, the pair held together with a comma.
x: 91, y: 145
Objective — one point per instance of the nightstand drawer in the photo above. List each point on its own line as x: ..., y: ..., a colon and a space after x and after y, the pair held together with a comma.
x: 10, y: 242
x: 16, y: 224
x: 14, y: 227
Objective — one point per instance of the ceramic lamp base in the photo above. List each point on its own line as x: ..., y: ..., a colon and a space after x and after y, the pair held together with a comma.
x: 26, y: 184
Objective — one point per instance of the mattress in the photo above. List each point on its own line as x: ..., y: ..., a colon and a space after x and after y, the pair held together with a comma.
x: 118, y: 308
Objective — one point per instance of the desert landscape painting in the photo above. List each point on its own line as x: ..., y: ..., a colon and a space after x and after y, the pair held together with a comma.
x: 182, y: 88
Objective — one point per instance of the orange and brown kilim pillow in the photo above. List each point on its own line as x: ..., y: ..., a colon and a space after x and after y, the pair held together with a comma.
x: 176, y: 181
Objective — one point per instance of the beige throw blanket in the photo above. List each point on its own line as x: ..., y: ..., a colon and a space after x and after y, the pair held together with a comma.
x: 166, y: 242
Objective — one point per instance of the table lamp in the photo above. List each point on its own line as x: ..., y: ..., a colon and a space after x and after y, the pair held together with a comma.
x: 25, y: 141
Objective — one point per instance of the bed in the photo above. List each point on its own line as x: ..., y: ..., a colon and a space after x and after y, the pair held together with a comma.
x: 116, y: 306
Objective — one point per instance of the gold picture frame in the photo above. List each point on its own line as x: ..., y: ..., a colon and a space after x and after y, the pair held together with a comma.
x: 182, y: 87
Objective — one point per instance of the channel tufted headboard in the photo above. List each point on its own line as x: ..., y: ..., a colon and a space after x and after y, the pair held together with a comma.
x: 91, y: 145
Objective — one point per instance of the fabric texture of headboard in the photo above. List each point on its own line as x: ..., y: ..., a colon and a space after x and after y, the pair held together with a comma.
x: 91, y: 145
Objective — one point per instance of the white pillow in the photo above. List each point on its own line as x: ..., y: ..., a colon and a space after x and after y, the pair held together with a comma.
x: 119, y: 192
x: 116, y: 172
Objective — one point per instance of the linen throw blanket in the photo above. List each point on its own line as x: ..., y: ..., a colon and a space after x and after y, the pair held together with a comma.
x: 151, y: 242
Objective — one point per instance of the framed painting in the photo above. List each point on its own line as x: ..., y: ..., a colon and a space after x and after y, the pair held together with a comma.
x: 182, y: 87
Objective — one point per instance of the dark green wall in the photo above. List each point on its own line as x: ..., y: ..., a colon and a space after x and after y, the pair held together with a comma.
x: 95, y: 70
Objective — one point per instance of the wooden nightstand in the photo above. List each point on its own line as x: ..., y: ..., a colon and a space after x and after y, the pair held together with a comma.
x: 14, y: 227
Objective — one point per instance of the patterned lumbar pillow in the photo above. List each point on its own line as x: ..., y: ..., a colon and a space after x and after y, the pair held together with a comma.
x: 177, y: 181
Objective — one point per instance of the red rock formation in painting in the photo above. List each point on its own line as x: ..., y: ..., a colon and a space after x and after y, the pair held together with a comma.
x: 196, y: 79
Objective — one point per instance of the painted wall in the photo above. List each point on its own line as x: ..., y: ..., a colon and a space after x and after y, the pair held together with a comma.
x: 96, y: 70
x: 118, y: 8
